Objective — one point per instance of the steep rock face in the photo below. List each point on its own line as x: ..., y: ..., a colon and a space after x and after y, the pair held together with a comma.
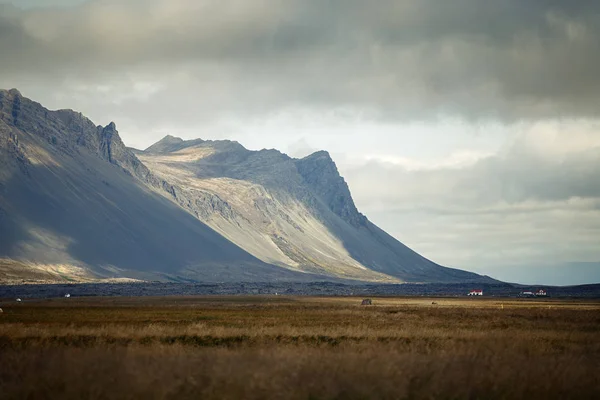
x: 74, y: 198
x: 75, y: 201
x: 12, y: 153
x: 252, y: 198
x: 321, y: 174
x: 295, y: 213
x: 67, y: 131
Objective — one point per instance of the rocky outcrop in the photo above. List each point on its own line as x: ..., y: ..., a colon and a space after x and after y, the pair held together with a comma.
x: 168, y: 143
x: 321, y: 175
x: 68, y: 131
x: 11, y: 152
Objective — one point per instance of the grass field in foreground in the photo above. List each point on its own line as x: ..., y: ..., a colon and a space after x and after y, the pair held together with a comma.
x: 299, y: 347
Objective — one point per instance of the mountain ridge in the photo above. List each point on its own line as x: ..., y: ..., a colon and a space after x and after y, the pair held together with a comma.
x: 283, y: 218
x: 317, y: 170
x: 64, y: 207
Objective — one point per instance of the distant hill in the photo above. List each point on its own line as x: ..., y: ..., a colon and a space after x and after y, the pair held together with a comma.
x: 76, y: 203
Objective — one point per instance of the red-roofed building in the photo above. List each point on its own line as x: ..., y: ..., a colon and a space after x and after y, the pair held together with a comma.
x: 476, y: 292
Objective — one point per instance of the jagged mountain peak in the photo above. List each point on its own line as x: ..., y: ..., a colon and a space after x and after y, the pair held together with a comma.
x: 318, y: 154
x: 272, y: 154
x: 319, y: 166
x: 165, y: 144
x: 169, y: 139
x: 320, y: 172
x: 10, y: 93
x: 15, y: 92
x: 66, y: 130
x: 172, y: 144
x: 111, y: 145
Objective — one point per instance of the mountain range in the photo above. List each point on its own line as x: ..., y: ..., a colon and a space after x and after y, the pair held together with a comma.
x: 77, y: 204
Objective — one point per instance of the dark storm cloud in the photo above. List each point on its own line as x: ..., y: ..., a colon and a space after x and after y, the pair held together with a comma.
x: 403, y: 59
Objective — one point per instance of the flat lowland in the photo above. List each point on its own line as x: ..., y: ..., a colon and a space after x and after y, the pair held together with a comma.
x: 258, y: 347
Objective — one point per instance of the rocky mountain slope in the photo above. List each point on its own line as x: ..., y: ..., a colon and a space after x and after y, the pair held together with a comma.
x: 71, y: 206
x: 296, y: 213
x: 78, y: 204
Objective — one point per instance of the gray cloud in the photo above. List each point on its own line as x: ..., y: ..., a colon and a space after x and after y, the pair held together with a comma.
x: 404, y: 59
x: 547, y: 163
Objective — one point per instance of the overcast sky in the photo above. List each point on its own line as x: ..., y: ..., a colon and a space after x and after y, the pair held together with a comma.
x: 469, y: 130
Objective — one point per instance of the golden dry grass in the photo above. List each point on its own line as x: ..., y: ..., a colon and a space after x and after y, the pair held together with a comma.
x: 281, y: 347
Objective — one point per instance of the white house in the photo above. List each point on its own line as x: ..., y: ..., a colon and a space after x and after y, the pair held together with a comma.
x: 476, y: 292
x: 541, y: 292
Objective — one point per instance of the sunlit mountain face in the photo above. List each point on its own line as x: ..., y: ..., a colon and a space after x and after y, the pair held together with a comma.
x: 76, y: 201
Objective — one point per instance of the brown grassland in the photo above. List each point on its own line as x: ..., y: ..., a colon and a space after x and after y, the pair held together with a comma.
x: 299, y: 347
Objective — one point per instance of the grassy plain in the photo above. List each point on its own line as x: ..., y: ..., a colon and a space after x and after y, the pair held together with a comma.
x: 299, y: 347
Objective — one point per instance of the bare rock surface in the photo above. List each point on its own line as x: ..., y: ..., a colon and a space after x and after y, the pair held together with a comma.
x: 74, y: 198
x: 76, y: 203
x: 296, y: 213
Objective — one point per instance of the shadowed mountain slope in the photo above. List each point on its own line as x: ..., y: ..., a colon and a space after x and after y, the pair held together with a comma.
x: 76, y: 203
x: 71, y: 205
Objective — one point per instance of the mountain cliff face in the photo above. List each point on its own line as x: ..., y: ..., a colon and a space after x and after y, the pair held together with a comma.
x: 320, y: 173
x: 75, y: 202
x: 296, y: 213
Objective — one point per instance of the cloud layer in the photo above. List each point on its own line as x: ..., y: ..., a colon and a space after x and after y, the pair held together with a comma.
x: 402, y: 59
x: 535, y: 203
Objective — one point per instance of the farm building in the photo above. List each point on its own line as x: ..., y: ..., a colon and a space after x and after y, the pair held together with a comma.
x: 476, y: 292
x: 541, y: 292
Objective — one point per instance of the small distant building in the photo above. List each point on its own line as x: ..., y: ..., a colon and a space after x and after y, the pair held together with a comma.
x: 527, y: 293
x: 18, y: 300
x: 541, y: 292
x: 476, y: 292
x: 67, y: 295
